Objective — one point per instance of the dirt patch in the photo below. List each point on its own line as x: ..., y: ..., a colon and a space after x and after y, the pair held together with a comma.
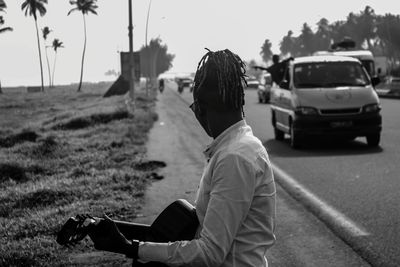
x: 155, y: 176
x: 94, y: 119
x: 16, y: 259
x: 45, y: 197
x: 13, y: 171
x: 150, y: 165
x: 20, y: 173
x: 24, y: 136
x: 49, y: 146
x: 34, y: 200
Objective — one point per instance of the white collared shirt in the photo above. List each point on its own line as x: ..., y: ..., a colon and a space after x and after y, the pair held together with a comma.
x: 235, y: 205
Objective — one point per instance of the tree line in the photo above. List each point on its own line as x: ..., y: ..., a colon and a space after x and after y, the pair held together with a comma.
x: 378, y: 33
x: 35, y: 8
x: 155, y: 58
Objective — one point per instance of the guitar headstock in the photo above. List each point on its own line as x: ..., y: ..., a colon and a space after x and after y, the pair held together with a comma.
x: 75, y: 229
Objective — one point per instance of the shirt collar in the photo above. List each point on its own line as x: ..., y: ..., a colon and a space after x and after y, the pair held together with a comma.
x: 215, y: 144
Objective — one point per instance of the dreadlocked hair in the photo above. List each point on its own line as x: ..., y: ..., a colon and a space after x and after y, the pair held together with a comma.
x: 228, y: 74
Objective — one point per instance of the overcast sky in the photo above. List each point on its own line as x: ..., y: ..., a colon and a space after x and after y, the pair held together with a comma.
x: 186, y: 26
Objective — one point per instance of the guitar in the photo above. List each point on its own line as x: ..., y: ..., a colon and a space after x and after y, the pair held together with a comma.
x: 178, y: 221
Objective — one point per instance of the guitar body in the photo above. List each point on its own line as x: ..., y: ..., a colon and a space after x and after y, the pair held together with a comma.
x: 178, y: 221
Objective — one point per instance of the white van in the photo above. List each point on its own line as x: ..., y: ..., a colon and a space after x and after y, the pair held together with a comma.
x: 365, y: 56
x: 326, y: 95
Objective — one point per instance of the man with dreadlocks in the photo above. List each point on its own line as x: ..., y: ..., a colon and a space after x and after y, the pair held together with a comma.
x: 235, y: 203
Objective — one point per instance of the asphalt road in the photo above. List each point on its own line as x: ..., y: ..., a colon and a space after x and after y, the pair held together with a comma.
x: 360, y: 182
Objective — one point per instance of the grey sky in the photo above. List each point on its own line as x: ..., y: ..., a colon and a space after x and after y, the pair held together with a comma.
x: 186, y: 26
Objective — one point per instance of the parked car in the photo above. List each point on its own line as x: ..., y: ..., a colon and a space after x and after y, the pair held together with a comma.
x: 326, y: 96
x: 391, y: 84
x: 183, y: 82
x: 264, y: 93
x: 253, y: 84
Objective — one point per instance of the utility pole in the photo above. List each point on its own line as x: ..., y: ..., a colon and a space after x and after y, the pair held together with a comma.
x: 131, y: 63
x: 147, y: 21
x: 148, y: 54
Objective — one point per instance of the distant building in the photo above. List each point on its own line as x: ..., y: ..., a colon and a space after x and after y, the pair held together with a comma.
x: 382, y: 65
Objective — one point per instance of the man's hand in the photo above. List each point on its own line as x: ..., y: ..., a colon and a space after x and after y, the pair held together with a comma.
x: 106, y: 236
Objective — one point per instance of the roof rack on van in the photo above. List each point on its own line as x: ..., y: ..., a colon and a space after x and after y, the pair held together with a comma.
x: 346, y: 44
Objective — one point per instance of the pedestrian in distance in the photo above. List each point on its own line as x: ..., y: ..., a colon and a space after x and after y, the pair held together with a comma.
x: 277, y: 69
x: 235, y: 202
x: 161, y: 85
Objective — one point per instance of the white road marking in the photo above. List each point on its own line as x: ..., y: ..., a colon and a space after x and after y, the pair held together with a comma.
x: 324, y: 211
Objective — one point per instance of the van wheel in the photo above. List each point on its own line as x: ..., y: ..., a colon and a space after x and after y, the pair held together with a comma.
x: 279, y: 135
x: 373, y: 139
x: 295, y: 140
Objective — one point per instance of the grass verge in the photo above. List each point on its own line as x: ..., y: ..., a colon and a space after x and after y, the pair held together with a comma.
x: 81, y: 154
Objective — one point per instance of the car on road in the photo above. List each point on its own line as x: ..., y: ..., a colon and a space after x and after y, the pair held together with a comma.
x: 390, y: 84
x: 184, y: 82
x: 326, y: 96
x: 253, y: 84
x: 264, y: 91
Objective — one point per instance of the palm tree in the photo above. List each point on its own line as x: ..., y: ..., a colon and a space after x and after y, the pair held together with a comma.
x: 3, y: 6
x: 266, y: 52
x: 45, y: 32
x: 56, y: 44
x: 84, y: 6
x: 31, y: 8
x: 4, y: 29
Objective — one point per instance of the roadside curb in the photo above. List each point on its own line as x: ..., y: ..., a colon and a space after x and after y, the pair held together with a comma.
x: 355, y: 238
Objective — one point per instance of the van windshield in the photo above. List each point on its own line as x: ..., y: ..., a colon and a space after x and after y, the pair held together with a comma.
x: 329, y: 74
x: 369, y: 65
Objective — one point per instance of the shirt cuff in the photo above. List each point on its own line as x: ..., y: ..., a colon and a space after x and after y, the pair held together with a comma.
x: 149, y: 251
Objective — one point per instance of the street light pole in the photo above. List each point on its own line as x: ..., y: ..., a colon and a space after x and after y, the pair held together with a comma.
x: 148, y: 55
x: 130, y: 28
x: 131, y: 64
x: 147, y: 21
